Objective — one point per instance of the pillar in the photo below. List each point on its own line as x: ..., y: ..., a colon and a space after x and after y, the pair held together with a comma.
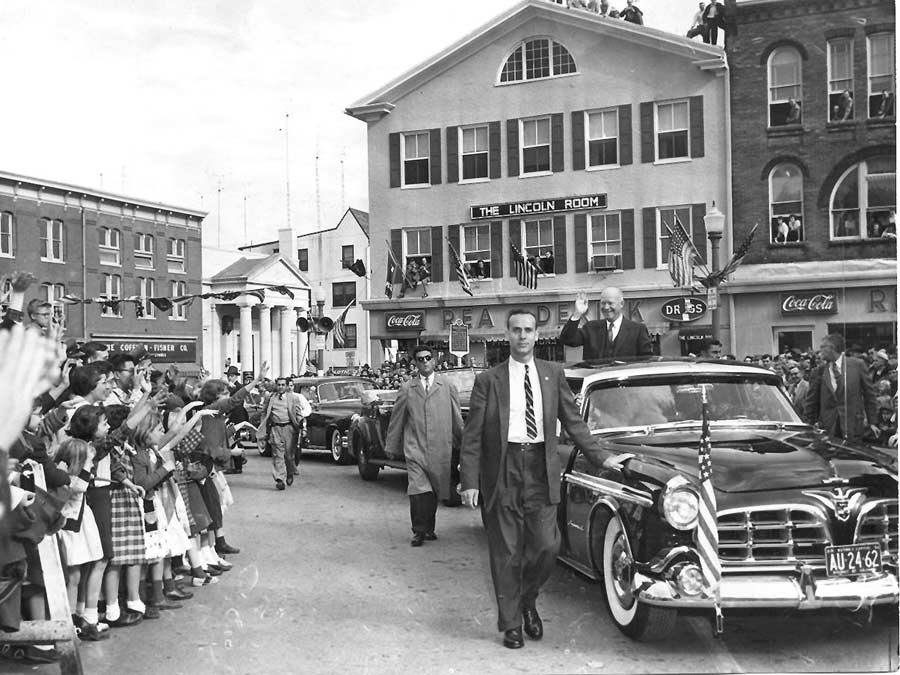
x: 302, y: 351
x: 247, y: 338
x: 285, y: 336
x: 265, y: 337
x: 214, y: 357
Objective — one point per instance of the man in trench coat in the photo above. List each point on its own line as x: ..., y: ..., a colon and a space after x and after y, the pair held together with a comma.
x: 426, y: 424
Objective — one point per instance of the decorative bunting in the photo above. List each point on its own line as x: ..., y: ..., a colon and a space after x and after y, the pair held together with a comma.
x: 358, y: 268
x: 259, y: 293
x: 162, y: 304
x: 284, y: 290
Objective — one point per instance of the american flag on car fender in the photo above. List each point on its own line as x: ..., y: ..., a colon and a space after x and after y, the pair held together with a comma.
x: 707, y: 528
x: 526, y: 272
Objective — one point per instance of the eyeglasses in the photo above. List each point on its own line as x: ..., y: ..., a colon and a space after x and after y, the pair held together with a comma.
x: 424, y: 359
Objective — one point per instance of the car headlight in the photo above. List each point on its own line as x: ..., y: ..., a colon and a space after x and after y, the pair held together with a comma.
x: 680, y: 504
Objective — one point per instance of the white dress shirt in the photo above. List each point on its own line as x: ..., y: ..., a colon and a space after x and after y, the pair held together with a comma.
x: 517, y: 430
x: 428, y: 382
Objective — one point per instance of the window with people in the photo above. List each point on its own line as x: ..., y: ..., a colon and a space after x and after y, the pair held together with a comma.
x: 881, y: 75
x: 476, y: 253
x: 840, y: 80
x: 417, y: 257
x: 785, y: 87
x: 864, y: 200
x: 786, y: 204
x: 539, y: 244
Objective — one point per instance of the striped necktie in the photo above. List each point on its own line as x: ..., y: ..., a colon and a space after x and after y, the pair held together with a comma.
x: 530, y: 423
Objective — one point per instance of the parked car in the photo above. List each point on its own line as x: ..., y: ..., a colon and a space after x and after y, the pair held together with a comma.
x: 369, y: 428
x: 803, y: 522
x: 334, y: 400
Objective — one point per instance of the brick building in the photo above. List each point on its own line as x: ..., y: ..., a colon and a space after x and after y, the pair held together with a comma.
x: 99, y: 245
x: 814, y: 148
x: 576, y: 138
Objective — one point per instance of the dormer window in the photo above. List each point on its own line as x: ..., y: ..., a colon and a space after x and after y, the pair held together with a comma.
x: 537, y: 59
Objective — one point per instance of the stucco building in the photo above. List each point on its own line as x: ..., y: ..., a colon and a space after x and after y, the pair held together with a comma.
x: 575, y: 138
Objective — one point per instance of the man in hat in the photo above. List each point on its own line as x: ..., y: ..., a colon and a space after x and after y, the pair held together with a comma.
x: 95, y: 351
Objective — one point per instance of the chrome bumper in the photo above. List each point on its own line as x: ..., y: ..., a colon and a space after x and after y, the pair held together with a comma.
x: 757, y: 591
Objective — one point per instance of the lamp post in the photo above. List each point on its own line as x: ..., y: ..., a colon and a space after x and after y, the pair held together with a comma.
x: 320, y: 337
x: 714, y: 222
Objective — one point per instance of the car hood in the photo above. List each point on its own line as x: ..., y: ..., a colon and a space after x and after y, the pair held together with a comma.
x: 749, y: 460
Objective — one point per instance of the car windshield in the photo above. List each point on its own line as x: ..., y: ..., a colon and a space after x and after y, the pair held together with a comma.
x: 343, y: 391
x: 674, y: 399
x: 463, y: 380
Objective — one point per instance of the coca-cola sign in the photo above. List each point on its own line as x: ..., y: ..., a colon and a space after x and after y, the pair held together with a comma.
x: 405, y: 320
x: 809, y: 302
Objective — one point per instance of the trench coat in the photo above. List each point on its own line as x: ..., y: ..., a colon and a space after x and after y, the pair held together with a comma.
x: 424, y: 429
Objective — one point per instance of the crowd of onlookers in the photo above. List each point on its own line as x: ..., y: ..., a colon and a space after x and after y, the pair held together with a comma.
x: 122, y: 461
x: 391, y: 374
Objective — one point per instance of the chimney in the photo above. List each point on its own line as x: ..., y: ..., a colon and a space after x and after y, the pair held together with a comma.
x: 287, y: 244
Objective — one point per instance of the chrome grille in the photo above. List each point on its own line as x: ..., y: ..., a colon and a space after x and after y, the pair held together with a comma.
x: 773, y: 534
x: 877, y: 522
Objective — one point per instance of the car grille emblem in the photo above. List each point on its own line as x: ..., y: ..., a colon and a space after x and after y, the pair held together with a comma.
x: 843, y: 501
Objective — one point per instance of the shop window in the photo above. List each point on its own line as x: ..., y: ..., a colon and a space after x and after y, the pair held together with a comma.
x: 606, y: 242
x: 794, y: 340
x: 672, y: 130
x: 864, y: 201
x: 535, y: 150
x: 53, y: 293
x: 179, y: 309
x: 536, y: 59
x: 667, y: 217
x: 881, y: 75
x: 52, y: 240
x: 417, y: 260
x: 303, y: 259
x: 416, y: 158
x: 476, y: 253
x: 342, y: 293
x: 602, y: 138
x: 840, y: 80
x: 175, y: 255
x: 346, y: 256
x: 7, y: 235
x: 110, y: 246
x: 146, y: 290
x: 473, y: 152
x: 785, y: 89
x: 866, y: 335
x: 111, y: 289
x: 143, y: 251
x: 539, y: 244
x: 786, y: 204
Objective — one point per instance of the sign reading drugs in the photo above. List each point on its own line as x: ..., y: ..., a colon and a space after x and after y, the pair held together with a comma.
x: 683, y: 309
x: 554, y: 205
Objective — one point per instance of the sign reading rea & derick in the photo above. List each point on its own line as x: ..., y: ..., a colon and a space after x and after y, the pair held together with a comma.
x: 404, y: 320
x: 809, y: 302
x: 554, y: 205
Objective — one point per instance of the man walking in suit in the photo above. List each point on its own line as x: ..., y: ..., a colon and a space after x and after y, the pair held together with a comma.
x: 509, y: 458
x: 841, y: 398
x: 282, y: 420
x: 613, y: 337
x: 426, y: 424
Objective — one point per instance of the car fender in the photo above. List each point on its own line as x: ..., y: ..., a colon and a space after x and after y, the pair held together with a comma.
x: 604, y: 509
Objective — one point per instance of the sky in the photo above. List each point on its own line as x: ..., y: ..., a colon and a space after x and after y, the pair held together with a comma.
x: 211, y: 104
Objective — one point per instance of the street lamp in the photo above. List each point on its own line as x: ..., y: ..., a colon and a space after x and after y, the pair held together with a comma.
x: 714, y: 222
x: 320, y: 337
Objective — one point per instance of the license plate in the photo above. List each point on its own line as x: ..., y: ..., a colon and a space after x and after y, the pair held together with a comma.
x: 845, y: 561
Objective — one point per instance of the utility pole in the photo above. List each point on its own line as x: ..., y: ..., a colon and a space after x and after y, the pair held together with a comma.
x: 287, y: 171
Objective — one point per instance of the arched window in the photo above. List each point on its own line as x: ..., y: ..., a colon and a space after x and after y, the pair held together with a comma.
x: 864, y: 200
x: 537, y: 59
x: 785, y: 89
x: 786, y: 203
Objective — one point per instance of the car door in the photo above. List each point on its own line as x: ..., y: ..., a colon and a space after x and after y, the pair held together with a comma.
x: 317, y: 421
x: 578, y: 501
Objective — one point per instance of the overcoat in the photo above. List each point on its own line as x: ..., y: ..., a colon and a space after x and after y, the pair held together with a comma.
x: 852, y: 405
x: 424, y: 429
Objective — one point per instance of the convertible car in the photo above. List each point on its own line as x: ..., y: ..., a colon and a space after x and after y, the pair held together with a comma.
x: 369, y: 428
x: 803, y: 522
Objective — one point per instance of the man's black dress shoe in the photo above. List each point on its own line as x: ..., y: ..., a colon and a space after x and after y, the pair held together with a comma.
x: 430, y: 536
x: 290, y: 479
x: 534, y: 627
x: 279, y: 484
x: 417, y: 540
x: 512, y: 639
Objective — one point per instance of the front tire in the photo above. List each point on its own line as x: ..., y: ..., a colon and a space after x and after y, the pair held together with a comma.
x: 339, y: 454
x: 367, y: 470
x: 638, y: 621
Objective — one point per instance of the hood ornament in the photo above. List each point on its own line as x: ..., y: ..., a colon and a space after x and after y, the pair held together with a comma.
x: 843, y: 501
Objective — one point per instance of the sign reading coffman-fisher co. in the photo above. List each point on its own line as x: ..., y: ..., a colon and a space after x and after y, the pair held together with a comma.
x: 554, y: 205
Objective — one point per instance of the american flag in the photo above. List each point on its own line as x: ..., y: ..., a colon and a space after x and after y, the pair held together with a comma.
x: 707, y: 530
x: 461, y: 275
x: 738, y: 256
x: 340, y: 332
x: 392, y: 266
x: 526, y: 272
x: 681, y: 256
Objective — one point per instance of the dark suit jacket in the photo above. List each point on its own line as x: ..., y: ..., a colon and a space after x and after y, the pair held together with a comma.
x: 633, y: 339
x: 853, y: 404
x: 483, y: 455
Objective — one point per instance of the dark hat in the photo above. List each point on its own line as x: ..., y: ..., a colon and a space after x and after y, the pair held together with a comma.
x: 232, y: 370
x: 73, y: 349
x: 93, y: 347
x: 138, y: 354
x: 174, y: 402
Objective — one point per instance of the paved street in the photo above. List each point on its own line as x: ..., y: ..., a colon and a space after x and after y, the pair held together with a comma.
x: 327, y: 582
